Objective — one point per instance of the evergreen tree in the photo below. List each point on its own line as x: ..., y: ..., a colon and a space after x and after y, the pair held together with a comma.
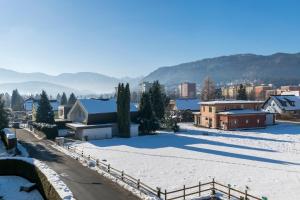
x: 63, y: 100
x: 208, y: 90
x: 218, y: 93
x: 148, y: 121
x: 44, y: 113
x: 123, y: 110
x: 3, y: 116
x: 58, y: 97
x: 72, y: 99
x: 16, y: 101
x: 157, y: 100
x: 242, y: 95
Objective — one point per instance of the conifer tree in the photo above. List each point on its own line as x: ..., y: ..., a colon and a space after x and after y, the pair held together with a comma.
x: 242, y: 95
x: 148, y: 121
x: 58, y: 97
x: 3, y: 115
x: 44, y: 112
x: 123, y: 110
x: 63, y: 100
x: 127, y: 111
x: 157, y: 100
x: 16, y: 101
x: 72, y: 99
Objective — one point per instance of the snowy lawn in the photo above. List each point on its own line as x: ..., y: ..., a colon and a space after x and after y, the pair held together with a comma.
x: 267, y: 161
x: 10, y: 189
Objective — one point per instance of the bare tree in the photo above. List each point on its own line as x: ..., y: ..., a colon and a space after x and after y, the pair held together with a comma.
x: 208, y: 90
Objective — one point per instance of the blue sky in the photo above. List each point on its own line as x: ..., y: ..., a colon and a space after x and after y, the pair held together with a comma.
x: 134, y: 37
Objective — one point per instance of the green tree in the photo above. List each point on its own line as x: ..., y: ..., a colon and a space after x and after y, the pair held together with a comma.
x: 16, y: 101
x: 44, y: 113
x: 72, y: 99
x: 242, y: 95
x: 147, y: 120
x: 63, y: 100
x: 3, y: 116
x: 123, y: 110
x: 157, y: 100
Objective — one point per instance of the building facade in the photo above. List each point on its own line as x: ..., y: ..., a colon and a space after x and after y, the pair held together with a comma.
x: 218, y: 114
x: 187, y: 90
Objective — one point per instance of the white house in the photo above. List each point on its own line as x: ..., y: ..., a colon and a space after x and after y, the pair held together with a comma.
x: 97, y: 118
x: 285, y: 106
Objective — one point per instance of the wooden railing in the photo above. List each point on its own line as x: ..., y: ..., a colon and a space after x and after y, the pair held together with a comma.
x: 201, y: 189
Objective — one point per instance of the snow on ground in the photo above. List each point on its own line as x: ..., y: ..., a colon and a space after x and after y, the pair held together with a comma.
x: 267, y: 161
x: 10, y: 189
x: 61, y: 188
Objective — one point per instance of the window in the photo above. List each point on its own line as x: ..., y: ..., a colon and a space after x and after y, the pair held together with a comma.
x: 258, y: 121
x: 247, y: 121
x: 210, y: 109
x: 203, y: 108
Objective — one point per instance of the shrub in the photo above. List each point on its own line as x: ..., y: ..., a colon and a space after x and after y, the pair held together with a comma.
x: 49, y: 130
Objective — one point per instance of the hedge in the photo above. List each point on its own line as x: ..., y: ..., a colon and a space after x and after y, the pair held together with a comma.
x: 50, y: 131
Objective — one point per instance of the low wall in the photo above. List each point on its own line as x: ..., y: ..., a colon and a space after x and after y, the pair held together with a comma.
x: 18, y: 167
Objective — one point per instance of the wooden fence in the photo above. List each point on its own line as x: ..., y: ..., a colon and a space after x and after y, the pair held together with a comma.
x: 207, y: 189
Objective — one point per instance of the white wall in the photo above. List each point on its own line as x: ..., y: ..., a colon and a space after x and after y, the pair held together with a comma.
x: 134, y: 130
x: 97, y: 133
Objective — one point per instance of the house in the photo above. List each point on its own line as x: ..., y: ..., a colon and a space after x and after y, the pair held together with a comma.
x: 229, y: 115
x: 183, y: 108
x: 54, y: 104
x: 285, y: 106
x: 97, y: 119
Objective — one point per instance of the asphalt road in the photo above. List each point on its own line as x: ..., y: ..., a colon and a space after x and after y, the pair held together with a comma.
x: 85, y: 183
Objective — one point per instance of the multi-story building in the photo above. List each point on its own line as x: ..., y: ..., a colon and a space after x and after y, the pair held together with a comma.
x: 230, y: 92
x: 230, y: 115
x: 260, y: 91
x: 187, y: 90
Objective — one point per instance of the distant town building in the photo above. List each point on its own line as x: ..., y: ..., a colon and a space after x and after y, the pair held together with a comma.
x: 187, y: 90
x: 145, y: 86
x: 230, y: 115
x: 260, y: 91
x: 288, y: 88
x: 230, y: 92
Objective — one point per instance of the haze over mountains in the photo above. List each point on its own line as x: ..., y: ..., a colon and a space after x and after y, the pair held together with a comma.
x: 279, y: 69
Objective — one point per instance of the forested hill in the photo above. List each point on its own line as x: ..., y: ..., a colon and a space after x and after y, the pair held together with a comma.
x: 279, y: 69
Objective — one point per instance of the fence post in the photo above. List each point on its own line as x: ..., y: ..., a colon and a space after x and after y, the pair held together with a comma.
x: 165, y: 194
x: 213, y: 192
x: 89, y: 157
x: 183, y: 191
x: 108, y: 168
x: 158, y: 192
x: 138, y: 183
x: 199, y: 189
x: 246, y: 195
x: 97, y: 162
x: 82, y: 153
x: 229, y: 191
x: 122, y: 175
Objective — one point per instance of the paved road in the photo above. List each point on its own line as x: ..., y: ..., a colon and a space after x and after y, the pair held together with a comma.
x: 85, y: 183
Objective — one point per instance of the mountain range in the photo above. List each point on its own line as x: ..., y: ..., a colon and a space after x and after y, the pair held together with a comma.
x: 81, y: 83
x: 279, y: 69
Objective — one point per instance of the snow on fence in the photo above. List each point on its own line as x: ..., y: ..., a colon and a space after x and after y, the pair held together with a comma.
x: 207, y: 189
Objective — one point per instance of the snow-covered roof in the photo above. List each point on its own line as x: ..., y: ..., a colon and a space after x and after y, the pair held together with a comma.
x: 288, y: 102
x: 241, y: 111
x: 187, y: 104
x: 95, y: 106
x: 229, y: 102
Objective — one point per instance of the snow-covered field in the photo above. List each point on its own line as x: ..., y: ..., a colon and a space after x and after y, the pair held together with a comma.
x: 10, y: 189
x: 267, y: 161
